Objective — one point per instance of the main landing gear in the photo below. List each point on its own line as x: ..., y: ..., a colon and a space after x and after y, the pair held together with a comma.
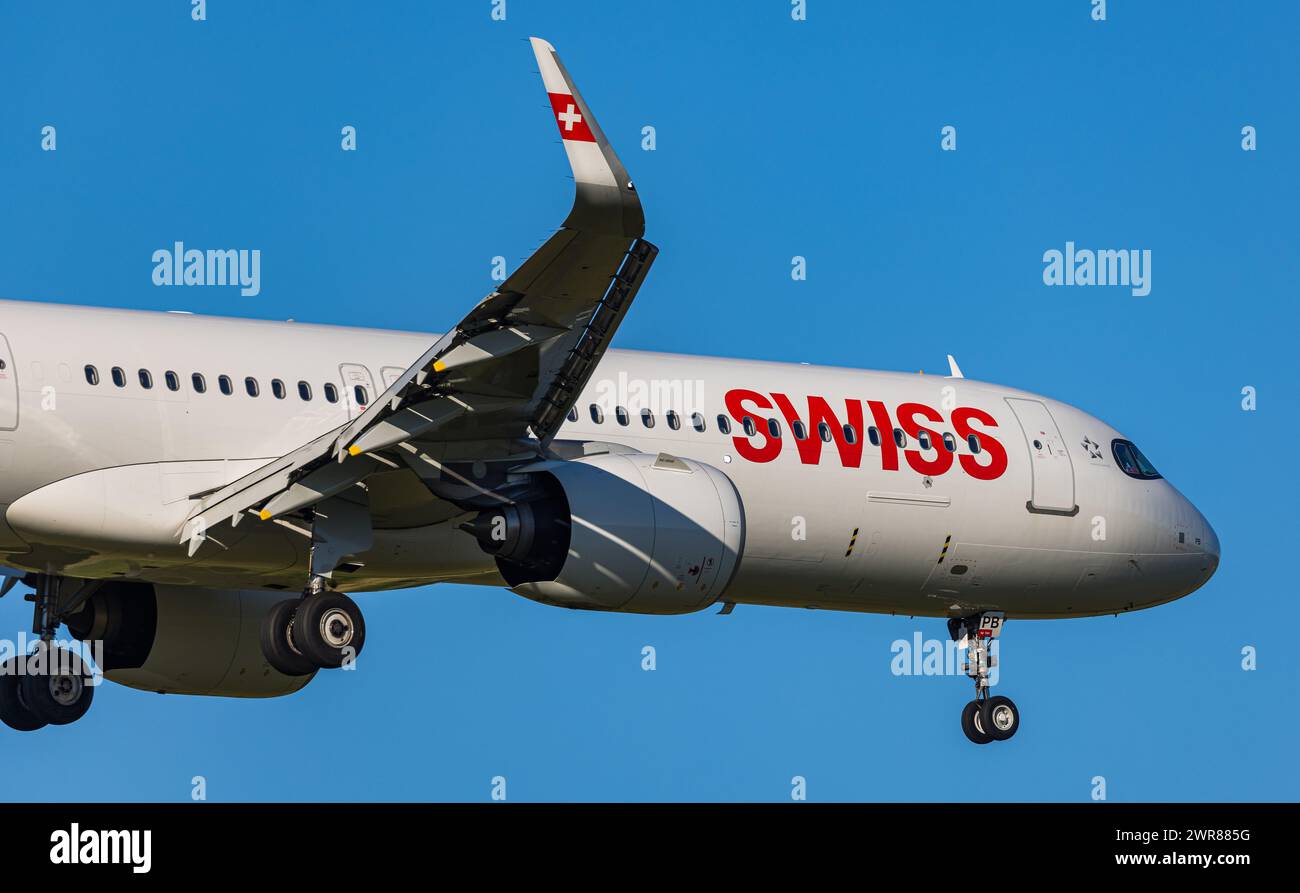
x: 51, y: 685
x: 987, y: 718
x: 324, y: 629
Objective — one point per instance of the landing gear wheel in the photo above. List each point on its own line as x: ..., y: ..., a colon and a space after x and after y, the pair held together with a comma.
x: 329, y: 629
x: 60, y: 693
x: 972, y: 724
x: 277, y: 640
x: 1000, y: 717
x: 13, y: 711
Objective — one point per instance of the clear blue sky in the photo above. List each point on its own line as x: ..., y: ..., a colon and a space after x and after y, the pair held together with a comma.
x: 775, y: 138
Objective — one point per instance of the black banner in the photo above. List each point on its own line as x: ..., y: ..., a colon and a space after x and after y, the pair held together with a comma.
x: 336, y: 841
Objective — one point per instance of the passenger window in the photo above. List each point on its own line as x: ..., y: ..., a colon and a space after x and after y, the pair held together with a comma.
x: 724, y: 424
x: 92, y: 375
x: 250, y: 385
x: 223, y: 382
x: 597, y: 414
x: 824, y: 432
x: 674, y: 420
x: 850, y: 434
x: 748, y: 424
x: 277, y: 388
x: 304, y: 390
x: 697, y: 422
x: 360, y: 395
x: 620, y: 413
x: 923, y: 438
x: 899, y: 437
x: 173, y: 380
x: 331, y: 393
x: 572, y: 414
x: 199, y: 382
x: 949, y: 443
x: 119, y: 377
x: 774, y: 427
x: 873, y: 435
x: 973, y: 441
x: 799, y: 431
x: 647, y: 418
x: 146, y: 379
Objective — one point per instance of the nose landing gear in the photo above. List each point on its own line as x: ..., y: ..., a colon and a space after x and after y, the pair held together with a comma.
x: 986, y: 718
x: 1000, y: 716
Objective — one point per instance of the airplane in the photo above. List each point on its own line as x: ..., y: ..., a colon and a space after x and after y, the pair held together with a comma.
x: 199, y: 496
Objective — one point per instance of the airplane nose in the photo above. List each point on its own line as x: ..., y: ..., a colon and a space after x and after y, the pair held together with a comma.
x: 1211, y: 543
x: 1199, y: 547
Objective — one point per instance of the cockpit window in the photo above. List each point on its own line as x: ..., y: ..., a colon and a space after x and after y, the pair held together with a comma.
x: 1131, y: 461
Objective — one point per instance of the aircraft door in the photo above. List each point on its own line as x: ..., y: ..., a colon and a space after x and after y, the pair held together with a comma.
x: 358, y: 388
x: 8, y: 388
x: 1049, y: 460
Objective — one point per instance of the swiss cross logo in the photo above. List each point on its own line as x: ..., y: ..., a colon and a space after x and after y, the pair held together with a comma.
x: 573, y: 123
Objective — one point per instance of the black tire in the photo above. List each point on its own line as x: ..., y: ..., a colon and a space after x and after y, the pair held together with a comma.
x: 329, y: 629
x: 60, y: 693
x: 13, y: 712
x: 1000, y: 717
x: 972, y: 724
x: 277, y: 640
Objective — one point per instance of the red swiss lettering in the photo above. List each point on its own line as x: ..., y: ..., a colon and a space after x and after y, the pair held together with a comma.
x: 819, y: 413
x: 888, y: 449
x: 942, y: 461
x: 771, y: 448
x: 989, y: 445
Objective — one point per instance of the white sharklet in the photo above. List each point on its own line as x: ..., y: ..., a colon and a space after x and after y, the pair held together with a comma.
x: 585, y: 157
x: 603, y: 186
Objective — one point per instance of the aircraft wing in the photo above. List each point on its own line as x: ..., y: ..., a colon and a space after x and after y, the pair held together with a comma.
x: 502, y: 380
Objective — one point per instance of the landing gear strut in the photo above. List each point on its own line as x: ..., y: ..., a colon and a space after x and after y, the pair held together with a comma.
x: 986, y: 718
x: 51, y: 685
x: 323, y: 629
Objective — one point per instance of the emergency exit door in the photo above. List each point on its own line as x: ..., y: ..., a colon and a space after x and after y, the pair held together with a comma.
x: 8, y: 388
x: 1052, y: 472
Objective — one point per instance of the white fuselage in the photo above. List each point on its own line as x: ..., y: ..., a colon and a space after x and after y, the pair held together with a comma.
x: 97, y: 478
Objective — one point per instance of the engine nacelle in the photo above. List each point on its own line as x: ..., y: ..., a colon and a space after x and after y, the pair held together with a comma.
x: 183, y: 639
x: 621, y: 532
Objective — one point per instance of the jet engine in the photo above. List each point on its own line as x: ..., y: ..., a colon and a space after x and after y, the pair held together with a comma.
x: 627, y: 532
x: 183, y: 639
